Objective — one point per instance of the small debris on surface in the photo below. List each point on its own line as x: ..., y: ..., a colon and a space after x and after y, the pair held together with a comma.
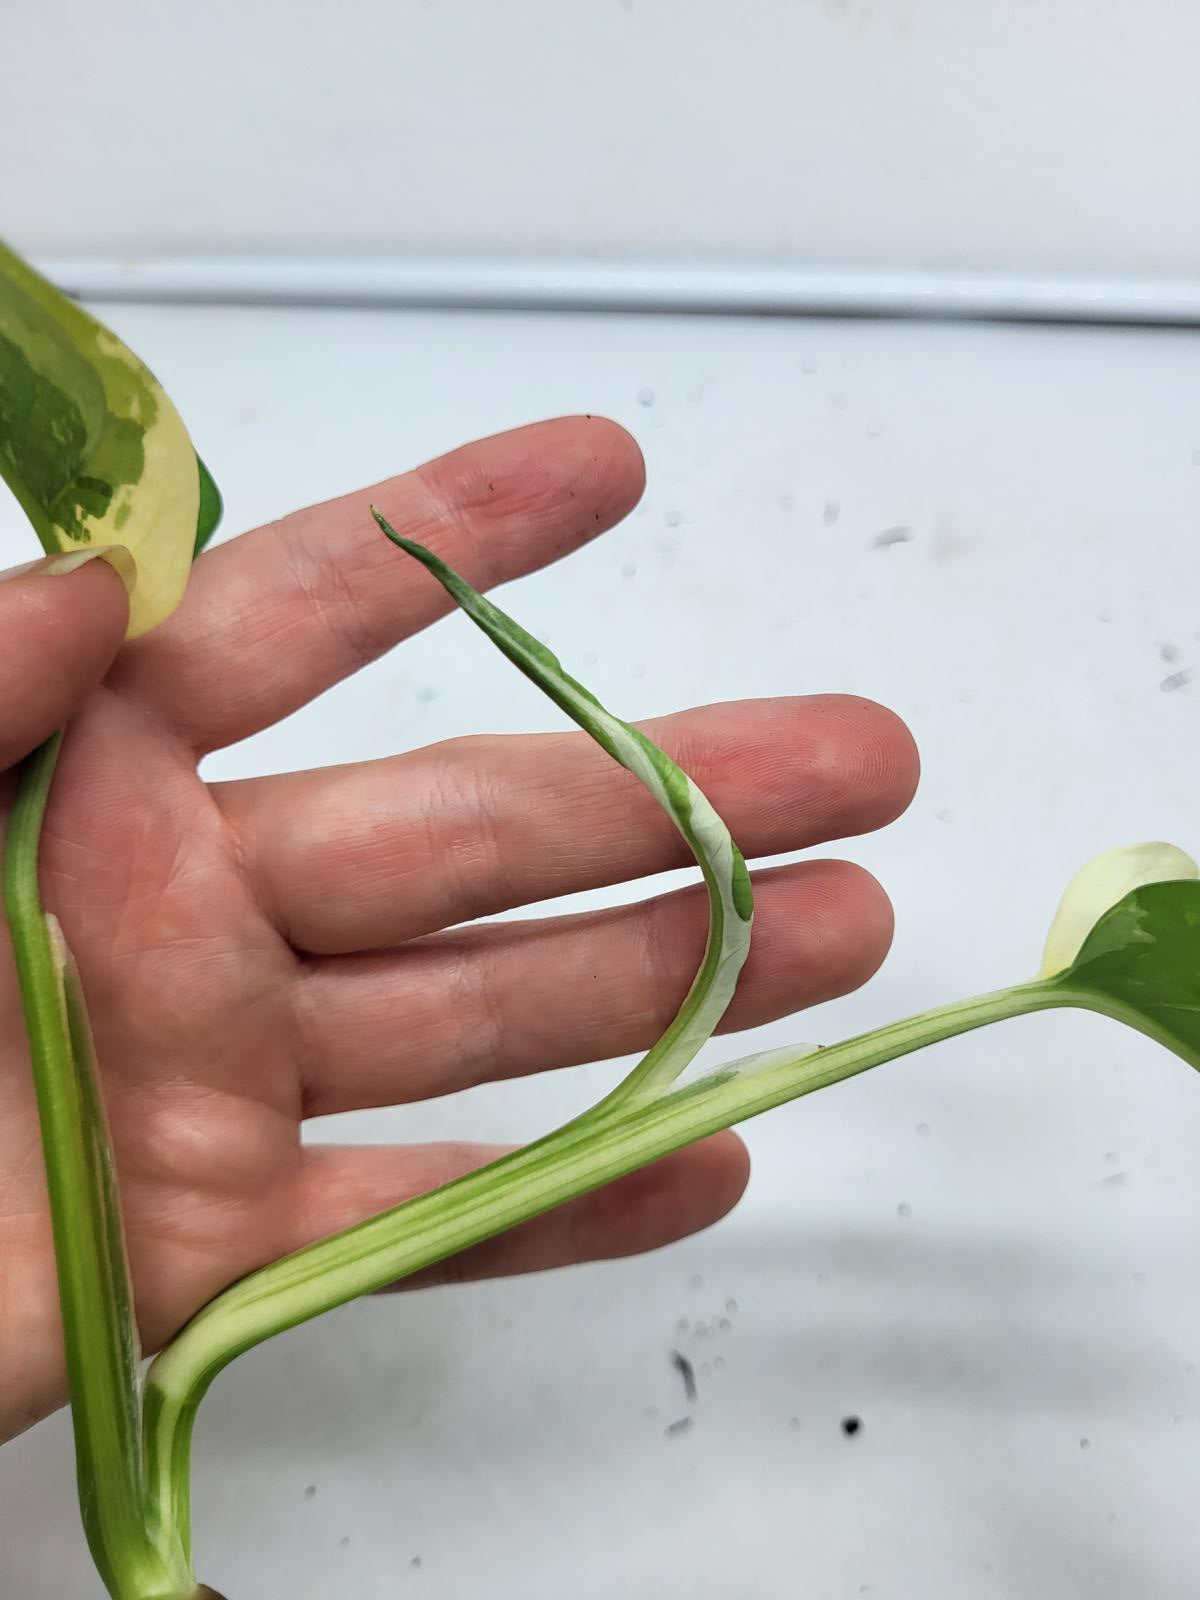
x: 344, y: 1541
x: 832, y: 511
x: 1085, y: 1444
x: 724, y: 1325
x: 415, y: 1562
x: 673, y: 518
x: 851, y: 1426
x: 695, y: 1281
x: 1114, y: 1180
x: 1175, y: 680
x: 646, y: 397
x: 682, y: 1425
x: 1169, y: 653
x: 945, y: 816
x: 311, y: 1492
x: 896, y: 535
x: 687, y: 1372
x: 904, y: 1209
x: 794, y: 1424
x: 731, y: 1306
x: 923, y: 1130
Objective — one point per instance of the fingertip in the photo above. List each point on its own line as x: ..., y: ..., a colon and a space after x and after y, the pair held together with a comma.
x: 624, y: 465
x: 671, y: 1199
x: 890, y: 741
x: 862, y: 759
x: 822, y: 929
x: 728, y: 1166
x: 854, y: 921
x: 60, y: 631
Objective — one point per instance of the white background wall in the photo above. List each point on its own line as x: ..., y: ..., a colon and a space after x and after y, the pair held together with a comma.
x: 1042, y: 135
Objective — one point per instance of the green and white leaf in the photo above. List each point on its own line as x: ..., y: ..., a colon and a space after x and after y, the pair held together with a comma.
x: 730, y: 898
x: 1099, y: 885
x: 1141, y: 965
x: 91, y: 446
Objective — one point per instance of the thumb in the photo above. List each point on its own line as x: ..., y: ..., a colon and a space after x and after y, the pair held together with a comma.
x: 62, y: 620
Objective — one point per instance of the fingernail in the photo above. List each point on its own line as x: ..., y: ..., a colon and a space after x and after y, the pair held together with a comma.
x: 19, y: 572
x: 116, y: 555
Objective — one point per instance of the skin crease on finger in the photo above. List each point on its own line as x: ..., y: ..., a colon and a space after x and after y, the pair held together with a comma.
x: 476, y: 826
x: 172, y: 898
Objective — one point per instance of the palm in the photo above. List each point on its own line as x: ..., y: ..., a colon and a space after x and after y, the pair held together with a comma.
x: 249, y: 963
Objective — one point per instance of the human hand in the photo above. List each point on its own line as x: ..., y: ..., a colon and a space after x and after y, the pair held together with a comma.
x: 259, y: 952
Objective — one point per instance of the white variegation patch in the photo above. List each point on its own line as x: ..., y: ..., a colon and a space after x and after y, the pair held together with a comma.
x: 1098, y: 886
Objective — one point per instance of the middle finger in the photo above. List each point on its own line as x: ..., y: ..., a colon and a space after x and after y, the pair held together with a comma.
x: 365, y: 857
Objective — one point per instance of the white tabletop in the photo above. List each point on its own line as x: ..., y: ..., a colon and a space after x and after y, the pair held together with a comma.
x: 988, y: 1252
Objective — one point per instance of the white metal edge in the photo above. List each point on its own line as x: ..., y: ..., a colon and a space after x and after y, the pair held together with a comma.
x: 627, y: 286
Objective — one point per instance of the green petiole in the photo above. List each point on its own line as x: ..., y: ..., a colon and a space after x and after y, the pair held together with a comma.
x: 97, y: 1312
x: 592, y: 1151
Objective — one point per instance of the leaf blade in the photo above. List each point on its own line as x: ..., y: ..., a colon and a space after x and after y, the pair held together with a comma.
x: 90, y: 444
x: 210, y: 510
x: 1141, y: 964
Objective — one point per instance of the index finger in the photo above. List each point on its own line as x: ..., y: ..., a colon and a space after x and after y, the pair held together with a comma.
x: 272, y: 619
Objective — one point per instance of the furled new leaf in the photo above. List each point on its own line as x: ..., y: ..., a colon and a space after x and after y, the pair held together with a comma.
x: 90, y: 444
x: 728, y: 883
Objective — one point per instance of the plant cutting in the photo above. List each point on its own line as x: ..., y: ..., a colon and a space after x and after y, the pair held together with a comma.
x: 95, y: 453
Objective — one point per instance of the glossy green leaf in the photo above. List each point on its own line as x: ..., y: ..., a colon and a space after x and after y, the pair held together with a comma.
x: 1141, y: 964
x: 730, y: 899
x: 209, y: 514
x: 90, y: 444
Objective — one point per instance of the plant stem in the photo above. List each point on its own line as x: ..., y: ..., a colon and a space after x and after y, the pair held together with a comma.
x: 583, y: 1155
x: 98, y: 1336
